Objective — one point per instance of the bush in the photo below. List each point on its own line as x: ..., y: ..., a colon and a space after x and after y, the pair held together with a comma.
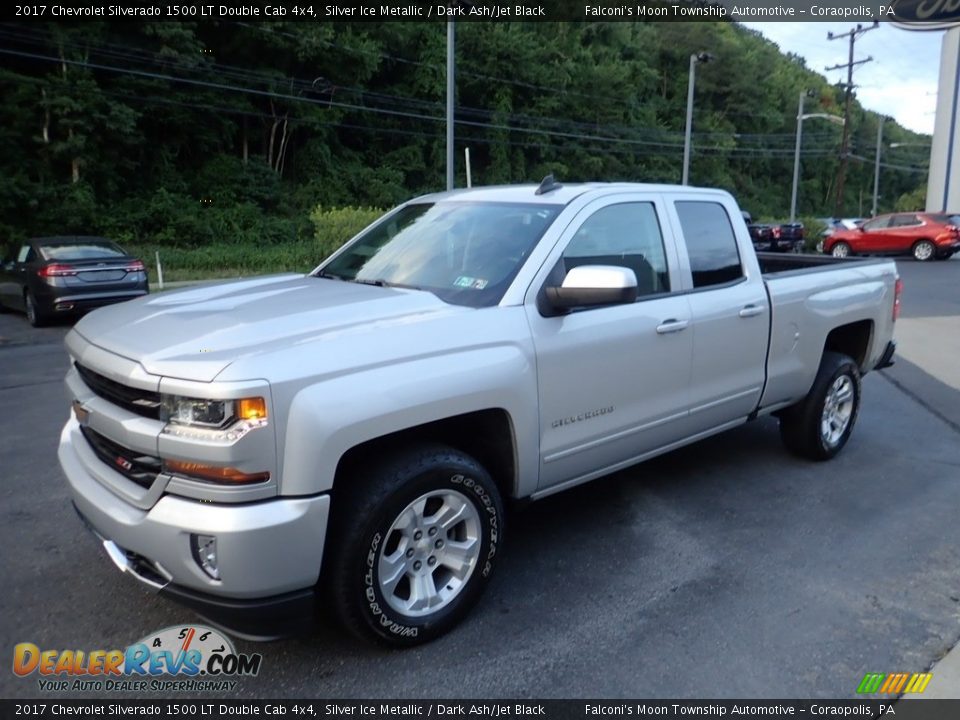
x: 334, y: 226
x: 812, y: 227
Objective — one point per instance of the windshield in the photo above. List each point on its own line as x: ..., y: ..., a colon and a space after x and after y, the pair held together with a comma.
x: 464, y: 253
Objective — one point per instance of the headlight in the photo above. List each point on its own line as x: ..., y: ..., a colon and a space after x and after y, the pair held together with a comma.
x: 214, y: 414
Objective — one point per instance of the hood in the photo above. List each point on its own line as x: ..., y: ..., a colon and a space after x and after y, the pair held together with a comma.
x: 194, y: 334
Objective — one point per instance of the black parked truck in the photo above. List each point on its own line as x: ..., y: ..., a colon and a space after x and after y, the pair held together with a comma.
x: 788, y: 237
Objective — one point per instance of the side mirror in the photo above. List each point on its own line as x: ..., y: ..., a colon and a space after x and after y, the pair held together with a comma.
x: 592, y: 286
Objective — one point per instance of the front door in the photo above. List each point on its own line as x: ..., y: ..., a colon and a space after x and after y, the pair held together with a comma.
x: 613, y: 381
x: 875, y: 236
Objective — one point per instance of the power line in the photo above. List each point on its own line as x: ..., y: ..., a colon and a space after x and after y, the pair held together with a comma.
x: 657, y: 136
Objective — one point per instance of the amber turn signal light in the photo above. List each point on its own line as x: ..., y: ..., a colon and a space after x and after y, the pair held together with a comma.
x: 225, y: 475
x: 252, y: 408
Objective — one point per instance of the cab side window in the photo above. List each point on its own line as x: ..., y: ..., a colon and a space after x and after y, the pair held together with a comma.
x: 711, y: 243
x: 626, y: 235
x: 26, y: 254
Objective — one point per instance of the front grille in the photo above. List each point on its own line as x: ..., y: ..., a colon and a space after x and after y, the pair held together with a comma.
x: 141, y: 469
x: 141, y: 402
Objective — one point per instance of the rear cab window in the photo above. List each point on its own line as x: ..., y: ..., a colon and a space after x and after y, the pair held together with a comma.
x: 711, y: 243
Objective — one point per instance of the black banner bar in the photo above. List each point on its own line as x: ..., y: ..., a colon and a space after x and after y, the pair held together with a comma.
x: 931, y: 12
x: 917, y: 709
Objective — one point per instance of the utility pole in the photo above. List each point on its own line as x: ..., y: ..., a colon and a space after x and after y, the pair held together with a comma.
x: 853, y: 35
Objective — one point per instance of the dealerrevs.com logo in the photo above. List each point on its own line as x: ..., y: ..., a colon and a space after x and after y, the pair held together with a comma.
x: 181, y: 657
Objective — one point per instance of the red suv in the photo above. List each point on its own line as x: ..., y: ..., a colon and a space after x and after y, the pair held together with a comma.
x: 924, y: 235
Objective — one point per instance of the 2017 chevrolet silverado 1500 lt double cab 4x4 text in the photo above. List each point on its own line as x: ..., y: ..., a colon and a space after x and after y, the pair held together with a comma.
x: 349, y: 437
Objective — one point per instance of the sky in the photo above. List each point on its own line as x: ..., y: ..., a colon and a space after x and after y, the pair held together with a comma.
x: 901, y: 82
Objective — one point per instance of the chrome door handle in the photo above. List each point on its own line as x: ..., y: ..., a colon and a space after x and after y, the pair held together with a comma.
x: 750, y: 311
x: 672, y: 326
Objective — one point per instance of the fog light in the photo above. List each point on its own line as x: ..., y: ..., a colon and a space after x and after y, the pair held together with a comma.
x: 205, y: 553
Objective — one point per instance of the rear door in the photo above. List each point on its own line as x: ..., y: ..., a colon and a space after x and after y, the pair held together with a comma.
x: 17, y: 275
x: 730, y: 311
x: 613, y: 381
x: 905, y: 230
x: 8, y: 282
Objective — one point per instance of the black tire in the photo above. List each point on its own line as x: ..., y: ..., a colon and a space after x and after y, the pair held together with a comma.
x: 923, y: 250
x: 841, y: 249
x: 367, y: 504
x: 35, y: 314
x: 802, y: 426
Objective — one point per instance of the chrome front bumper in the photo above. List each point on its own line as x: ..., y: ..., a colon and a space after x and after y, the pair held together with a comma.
x: 264, y: 548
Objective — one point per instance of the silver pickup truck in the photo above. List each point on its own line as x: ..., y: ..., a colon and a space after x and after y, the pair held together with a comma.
x: 348, y: 438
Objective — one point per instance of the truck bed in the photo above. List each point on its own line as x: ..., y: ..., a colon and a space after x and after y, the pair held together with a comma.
x: 780, y: 264
x: 810, y: 296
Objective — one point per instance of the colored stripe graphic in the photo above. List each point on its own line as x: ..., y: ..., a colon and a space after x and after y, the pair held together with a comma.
x: 894, y: 683
x: 871, y: 683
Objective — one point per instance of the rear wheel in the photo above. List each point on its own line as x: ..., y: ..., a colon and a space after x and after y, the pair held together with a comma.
x: 840, y: 249
x: 415, y: 542
x: 35, y: 315
x: 923, y: 250
x: 819, y: 426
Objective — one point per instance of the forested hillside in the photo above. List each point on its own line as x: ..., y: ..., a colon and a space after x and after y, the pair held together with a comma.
x: 188, y: 134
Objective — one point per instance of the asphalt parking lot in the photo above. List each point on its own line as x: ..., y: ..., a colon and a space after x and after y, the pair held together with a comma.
x: 727, y: 569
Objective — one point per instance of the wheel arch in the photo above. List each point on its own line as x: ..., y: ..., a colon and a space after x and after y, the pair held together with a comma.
x: 486, y: 435
x: 852, y: 340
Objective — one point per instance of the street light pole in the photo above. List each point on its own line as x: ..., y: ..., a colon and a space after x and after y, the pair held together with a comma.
x: 700, y: 57
x: 796, y: 152
x: 450, y: 98
x: 796, y: 160
x: 689, y: 128
x: 876, y: 168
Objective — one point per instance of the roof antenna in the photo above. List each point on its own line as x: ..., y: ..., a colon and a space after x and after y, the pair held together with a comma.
x: 548, y: 184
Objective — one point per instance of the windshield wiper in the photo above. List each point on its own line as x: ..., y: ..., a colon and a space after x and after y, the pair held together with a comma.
x: 329, y: 275
x: 378, y: 282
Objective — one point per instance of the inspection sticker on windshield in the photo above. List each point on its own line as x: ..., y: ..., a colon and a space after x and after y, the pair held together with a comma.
x: 465, y: 281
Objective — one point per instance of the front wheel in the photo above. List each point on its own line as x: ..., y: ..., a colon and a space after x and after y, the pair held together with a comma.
x: 840, y: 250
x: 414, y: 544
x: 820, y: 425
